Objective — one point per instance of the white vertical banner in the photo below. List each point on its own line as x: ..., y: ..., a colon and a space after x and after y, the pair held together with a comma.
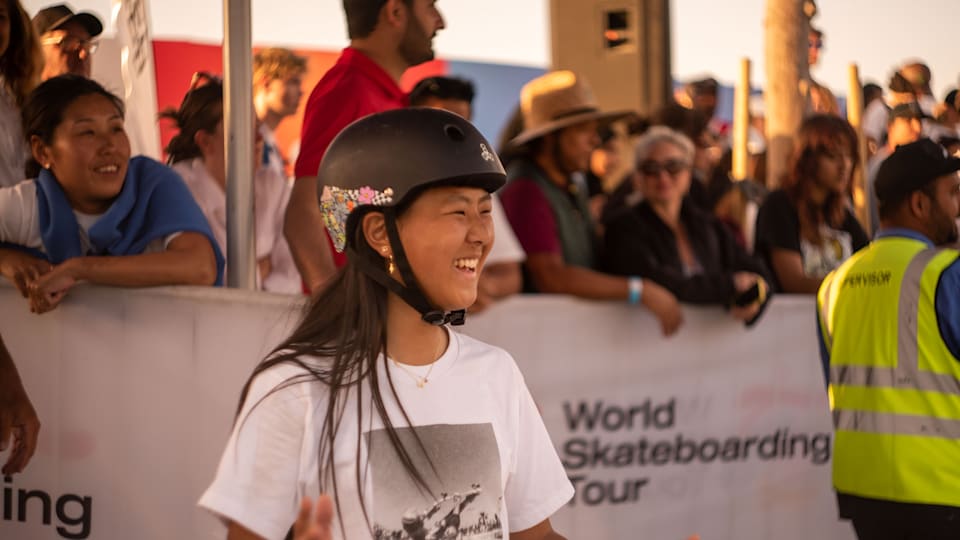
x: 132, y: 22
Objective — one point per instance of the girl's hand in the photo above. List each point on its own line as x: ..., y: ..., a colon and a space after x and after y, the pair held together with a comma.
x: 319, y: 527
x: 21, y: 269
x: 48, y: 290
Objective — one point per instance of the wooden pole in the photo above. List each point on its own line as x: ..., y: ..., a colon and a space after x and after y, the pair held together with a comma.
x: 855, y: 117
x: 785, y: 45
x: 741, y: 121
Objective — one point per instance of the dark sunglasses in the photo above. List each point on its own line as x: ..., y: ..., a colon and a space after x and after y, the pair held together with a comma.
x: 654, y: 168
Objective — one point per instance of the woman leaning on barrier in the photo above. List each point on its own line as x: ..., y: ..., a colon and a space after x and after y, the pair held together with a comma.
x: 93, y: 213
x: 413, y: 430
x: 667, y: 238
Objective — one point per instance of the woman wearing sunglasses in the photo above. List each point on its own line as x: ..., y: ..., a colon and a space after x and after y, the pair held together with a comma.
x: 667, y: 239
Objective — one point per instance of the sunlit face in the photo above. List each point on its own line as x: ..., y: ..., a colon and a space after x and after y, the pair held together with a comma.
x: 664, y: 174
x: 814, y: 44
x: 67, y: 50
x: 903, y: 131
x: 283, y: 95
x: 88, y: 153
x: 606, y: 158
x: 4, y: 27
x: 576, y: 144
x: 423, y: 24
x: 834, y: 169
x: 945, y: 210
x: 447, y: 233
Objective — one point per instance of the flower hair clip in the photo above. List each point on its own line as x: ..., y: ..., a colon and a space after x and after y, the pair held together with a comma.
x: 336, y: 205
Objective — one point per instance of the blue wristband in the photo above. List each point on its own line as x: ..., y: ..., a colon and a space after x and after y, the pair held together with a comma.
x: 635, y: 286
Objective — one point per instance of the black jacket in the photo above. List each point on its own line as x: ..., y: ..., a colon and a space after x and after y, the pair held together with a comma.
x: 638, y: 243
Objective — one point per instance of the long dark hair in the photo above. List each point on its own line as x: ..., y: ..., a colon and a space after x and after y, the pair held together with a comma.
x: 201, y: 110
x: 44, y: 108
x: 818, y: 135
x: 345, y: 327
x: 22, y: 62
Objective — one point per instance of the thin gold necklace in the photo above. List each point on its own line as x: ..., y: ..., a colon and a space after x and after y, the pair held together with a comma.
x: 420, y: 380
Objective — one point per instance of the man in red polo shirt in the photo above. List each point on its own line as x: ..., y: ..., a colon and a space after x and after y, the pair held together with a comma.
x: 386, y: 38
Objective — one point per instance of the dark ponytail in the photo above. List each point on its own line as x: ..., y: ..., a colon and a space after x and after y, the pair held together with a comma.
x: 201, y: 110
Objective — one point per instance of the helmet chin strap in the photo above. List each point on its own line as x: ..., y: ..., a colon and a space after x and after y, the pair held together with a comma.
x: 411, y: 292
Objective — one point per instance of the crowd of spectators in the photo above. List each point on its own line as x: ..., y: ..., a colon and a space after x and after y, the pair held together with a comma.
x: 576, y: 217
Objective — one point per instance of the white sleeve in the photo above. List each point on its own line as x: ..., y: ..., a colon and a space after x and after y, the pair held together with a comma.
x: 875, y: 120
x: 268, y: 194
x: 258, y: 481
x: 506, y: 248
x: 538, y: 485
x: 18, y: 215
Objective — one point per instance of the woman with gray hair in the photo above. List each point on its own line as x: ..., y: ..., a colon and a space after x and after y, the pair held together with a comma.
x: 667, y: 239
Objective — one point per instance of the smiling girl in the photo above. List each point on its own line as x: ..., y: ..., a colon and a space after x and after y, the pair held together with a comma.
x: 93, y: 213
x: 415, y: 431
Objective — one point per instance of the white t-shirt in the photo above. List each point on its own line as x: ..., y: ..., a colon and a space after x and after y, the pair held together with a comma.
x: 875, y: 120
x: 13, y: 147
x: 275, y: 187
x: 506, y: 248
x: 271, y: 194
x: 820, y: 260
x: 496, y: 467
x: 20, y: 224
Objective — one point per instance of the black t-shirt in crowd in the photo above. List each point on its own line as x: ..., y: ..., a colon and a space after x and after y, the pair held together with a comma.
x: 778, y: 227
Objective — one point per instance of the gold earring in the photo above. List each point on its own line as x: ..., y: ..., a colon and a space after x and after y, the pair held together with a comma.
x: 390, y: 266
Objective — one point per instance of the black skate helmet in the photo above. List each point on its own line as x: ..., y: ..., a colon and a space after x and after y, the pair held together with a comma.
x: 381, y: 163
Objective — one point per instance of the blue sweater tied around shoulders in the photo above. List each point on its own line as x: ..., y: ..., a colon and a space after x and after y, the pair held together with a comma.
x: 153, y: 204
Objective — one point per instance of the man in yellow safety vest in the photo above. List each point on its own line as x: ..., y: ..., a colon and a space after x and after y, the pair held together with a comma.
x: 890, y: 333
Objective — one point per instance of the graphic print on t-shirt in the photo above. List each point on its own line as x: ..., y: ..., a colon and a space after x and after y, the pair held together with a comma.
x: 818, y: 261
x: 466, y: 494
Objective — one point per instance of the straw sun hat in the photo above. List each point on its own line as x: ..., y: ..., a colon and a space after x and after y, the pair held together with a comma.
x: 557, y: 100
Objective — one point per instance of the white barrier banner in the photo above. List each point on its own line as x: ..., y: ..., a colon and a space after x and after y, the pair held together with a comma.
x: 718, y: 431
x: 131, y: 18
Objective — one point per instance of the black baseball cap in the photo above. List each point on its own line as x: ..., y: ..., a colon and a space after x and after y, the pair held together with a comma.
x: 442, y: 88
x: 911, y: 167
x: 53, y: 17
